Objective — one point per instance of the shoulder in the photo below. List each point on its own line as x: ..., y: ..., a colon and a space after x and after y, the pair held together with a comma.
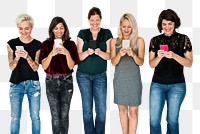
x: 14, y: 40
x: 140, y: 40
x: 113, y: 40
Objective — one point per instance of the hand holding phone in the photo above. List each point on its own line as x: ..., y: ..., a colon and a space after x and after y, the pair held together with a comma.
x: 125, y: 44
x: 19, y: 48
x: 164, y: 48
x: 57, y: 43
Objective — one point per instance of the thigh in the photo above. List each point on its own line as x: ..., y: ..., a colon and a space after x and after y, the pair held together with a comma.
x: 85, y: 87
x: 33, y: 94
x: 16, y: 98
x: 100, y: 91
x: 157, y: 101
x: 53, y: 96
x: 66, y: 95
x: 175, y: 97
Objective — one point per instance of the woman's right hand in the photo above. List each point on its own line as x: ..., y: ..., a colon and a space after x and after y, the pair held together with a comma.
x: 161, y: 53
x: 54, y: 51
x: 122, y: 52
x: 90, y: 51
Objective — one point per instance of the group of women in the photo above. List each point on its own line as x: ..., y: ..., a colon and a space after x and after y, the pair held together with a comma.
x: 94, y: 46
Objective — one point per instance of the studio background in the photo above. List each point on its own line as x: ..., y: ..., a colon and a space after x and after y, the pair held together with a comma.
x: 75, y: 14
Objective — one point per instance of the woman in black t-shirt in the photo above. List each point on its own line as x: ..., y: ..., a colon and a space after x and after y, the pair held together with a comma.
x: 168, y: 54
x: 23, y: 58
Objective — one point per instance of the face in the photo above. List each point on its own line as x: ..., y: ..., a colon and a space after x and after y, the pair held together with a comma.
x: 59, y: 31
x: 168, y: 27
x: 126, y: 28
x: 25, y: 29
x: 95, y: 22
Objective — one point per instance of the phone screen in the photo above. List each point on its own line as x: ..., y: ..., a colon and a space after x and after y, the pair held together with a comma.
x: 19, y: 47
x: 58, y: 43
x: 125, y: 44
x: 164, y: 48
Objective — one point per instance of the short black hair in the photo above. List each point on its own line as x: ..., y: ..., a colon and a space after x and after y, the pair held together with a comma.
x: 94, y: 11
x: 170, y: 15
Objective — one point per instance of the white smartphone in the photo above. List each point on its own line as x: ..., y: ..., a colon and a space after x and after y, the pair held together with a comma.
x: 125, y: 44
x: 58, y: 43
x: 19, y: 47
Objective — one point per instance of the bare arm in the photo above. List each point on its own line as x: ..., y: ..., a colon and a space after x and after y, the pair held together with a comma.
x: 184, y: 61
x: 34, y: 64
x: 115, y: 58
x: 139, y: 59
x: 104, y: 55
x: 82, y: 55
x: 12, y: 61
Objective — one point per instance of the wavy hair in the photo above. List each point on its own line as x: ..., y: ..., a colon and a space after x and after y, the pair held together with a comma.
x: 134, y: 34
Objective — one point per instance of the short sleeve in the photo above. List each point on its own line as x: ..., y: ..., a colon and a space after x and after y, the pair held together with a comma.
x: 108, y: 34
x: 151, y: 46
x: 187, y: 45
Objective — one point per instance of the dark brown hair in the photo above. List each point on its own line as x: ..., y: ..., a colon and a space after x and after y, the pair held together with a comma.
x: 169, y: 15
x: 55, y: 21
x: 94, y: 11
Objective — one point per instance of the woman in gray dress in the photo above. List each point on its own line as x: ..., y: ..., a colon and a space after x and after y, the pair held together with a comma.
x: 127, y: 54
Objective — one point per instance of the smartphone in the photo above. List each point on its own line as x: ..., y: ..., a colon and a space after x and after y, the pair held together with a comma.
x: 164, y: 48
x: 19, y: 48
x: 125, y: 44
x: 57, y: 43
x: 93, y: 44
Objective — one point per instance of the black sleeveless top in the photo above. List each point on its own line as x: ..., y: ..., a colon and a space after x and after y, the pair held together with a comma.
x: 23, y: 71
x: 169, y: 71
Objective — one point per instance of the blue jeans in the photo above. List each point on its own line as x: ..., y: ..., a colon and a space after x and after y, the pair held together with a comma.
x: 17, y: 91
x: 93, y: 87
x: 59, y: 90
x: 174, y: 95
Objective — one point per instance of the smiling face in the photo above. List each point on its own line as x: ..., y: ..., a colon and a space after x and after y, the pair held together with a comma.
x: 59, y: 31
x: 25, y: 29
x: 126, y: 28
x: 95, y: 22
x: 168, y: 27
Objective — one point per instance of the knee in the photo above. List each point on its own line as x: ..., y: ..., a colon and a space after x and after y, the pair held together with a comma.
x: 133, y: 114
x: 14, y: 118
x: 35, y: 115
x: 123, y: 112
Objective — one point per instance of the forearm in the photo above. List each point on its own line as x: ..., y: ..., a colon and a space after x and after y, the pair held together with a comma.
x: 83, y: 55
x: 70, y: 61
x: 34, y: 65
x: 139, y: 61
x: 13, y: 64
x: 104, y: 55
x: 115, y: 60
x: 154, y: 62
x: 183, y: 61
x: 46, y: 62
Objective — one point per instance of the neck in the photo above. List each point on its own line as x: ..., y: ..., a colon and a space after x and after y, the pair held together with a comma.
x: 95, y: 30
x: 26, y: 40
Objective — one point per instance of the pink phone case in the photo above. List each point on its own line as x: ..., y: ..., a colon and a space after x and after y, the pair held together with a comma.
x: 164, y: 47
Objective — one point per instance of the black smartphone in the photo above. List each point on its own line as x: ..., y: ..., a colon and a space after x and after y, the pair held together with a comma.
x: 93, y: 44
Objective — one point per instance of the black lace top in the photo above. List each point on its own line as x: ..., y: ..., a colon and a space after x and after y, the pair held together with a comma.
x: 169, y: 71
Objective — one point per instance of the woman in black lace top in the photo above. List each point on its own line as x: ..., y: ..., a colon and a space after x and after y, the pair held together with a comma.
x: 168, y: 54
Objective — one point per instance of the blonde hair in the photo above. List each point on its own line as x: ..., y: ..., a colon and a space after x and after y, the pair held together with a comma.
x: 24, y: 17
x: 134, y: 34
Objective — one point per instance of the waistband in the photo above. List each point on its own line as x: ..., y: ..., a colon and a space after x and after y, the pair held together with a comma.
x: 58, y: 76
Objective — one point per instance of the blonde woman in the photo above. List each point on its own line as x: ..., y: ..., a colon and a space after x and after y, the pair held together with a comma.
x: 127, y: 54
x: 23, y: 57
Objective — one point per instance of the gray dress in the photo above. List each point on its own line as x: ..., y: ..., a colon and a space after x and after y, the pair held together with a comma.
x: 127, y: 81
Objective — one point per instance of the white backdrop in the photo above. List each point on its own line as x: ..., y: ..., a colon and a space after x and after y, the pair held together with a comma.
x: 75, y: 13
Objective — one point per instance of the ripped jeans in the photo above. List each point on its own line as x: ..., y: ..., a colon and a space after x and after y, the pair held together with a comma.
x: 59, y: 90
x: 17, y: 91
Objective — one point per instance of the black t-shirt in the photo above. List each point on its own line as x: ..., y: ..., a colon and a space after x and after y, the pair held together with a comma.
x: 23, y: 71
x: 169, y: 71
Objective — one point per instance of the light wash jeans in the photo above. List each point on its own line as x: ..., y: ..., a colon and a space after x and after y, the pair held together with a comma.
x: 93, y: 87
x: 174, y: 95
x: 17, y: 92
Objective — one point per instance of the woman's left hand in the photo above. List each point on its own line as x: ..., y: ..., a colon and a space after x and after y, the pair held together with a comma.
x: 169, y: 55
x: 97, y: 51
x: 130, y: 52
x: 62, y: 50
